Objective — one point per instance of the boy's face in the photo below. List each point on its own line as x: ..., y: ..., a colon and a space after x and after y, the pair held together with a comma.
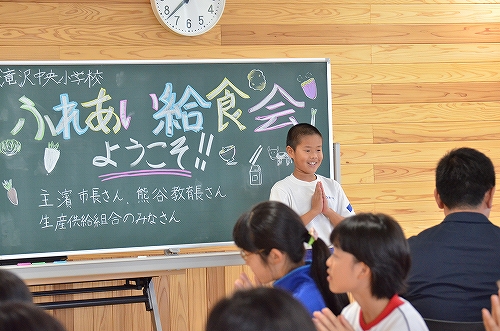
x: 307, y: 156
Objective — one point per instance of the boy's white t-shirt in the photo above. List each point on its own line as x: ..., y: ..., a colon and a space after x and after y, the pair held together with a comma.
x: 297, y: 195
x: 399, y: 315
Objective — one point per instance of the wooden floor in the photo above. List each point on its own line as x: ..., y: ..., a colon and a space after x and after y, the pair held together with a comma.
x: 411, y: 79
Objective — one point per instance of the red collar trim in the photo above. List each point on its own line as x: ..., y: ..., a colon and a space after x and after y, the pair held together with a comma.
x: 393, y: 304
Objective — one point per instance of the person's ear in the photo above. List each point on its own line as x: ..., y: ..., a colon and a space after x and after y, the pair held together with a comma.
x: 364, y: 272
x: 290, y: 151
x: 488, y: 197
x: 275, y: 256
x: 438, y: 199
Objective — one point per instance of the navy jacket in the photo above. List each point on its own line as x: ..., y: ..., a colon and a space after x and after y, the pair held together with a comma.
x: 455, y: 266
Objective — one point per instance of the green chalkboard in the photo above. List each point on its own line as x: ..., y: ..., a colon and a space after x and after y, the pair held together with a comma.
x: 103, y: 156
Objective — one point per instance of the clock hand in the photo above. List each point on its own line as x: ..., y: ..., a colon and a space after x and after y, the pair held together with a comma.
x: 177, y: 8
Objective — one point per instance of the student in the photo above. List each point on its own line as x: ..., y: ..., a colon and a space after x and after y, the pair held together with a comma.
x: 456, y: 263
x: 320, y: 201
x: 25, y: 316
x: 370, y: 259
x: 271, y: 237
x: 492, y: 321
x: 13, y: 288
x: 259, y: 309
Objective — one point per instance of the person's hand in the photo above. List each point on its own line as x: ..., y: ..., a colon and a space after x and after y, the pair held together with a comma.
x: 244, y: 282
x: 318, y: 199
x: 492, y: 321
x: 326, y: 207
x: 325, y: 320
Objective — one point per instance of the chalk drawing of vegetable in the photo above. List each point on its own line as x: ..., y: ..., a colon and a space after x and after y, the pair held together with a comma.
x: 51, y: 156
x: 11, y: 192
x: 10, y: 147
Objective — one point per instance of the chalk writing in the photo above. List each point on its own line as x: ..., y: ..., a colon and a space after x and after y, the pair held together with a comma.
x: 119, y: 154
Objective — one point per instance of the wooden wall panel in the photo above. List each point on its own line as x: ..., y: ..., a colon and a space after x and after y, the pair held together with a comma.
x: 411, y: 79
x: 356, y: 34
x: 419, y: 73
x: 428, y: 132
x: 436, y: 92
x: 298, y: 14
x: 337, y: 54
x: 410, y: 152
x: 434, y: 13
x: 436, y: 53
x: 416, y: 113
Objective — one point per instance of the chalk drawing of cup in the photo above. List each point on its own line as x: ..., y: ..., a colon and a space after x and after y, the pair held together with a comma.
x: 308, y: 85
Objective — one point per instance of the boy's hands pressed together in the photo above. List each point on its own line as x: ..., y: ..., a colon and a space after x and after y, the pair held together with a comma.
x: 319, y: 205
x: 318, y: 200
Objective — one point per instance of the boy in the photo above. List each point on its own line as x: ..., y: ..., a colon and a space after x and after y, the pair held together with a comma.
x: 320, y: 201
x: 371, y: 259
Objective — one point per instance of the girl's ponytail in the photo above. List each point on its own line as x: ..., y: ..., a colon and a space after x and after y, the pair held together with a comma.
x: 320, y: 253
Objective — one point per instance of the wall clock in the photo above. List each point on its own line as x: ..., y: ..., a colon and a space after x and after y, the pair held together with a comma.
x: 188, y: 17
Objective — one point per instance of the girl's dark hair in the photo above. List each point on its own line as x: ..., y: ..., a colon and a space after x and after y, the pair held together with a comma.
x: 260, y: 309
x: 378, y: 241
x: 25, y: 316
x: 272, y: 224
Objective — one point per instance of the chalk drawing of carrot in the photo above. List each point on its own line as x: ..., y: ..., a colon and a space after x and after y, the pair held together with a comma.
x: 51, y: 156
x: 11, y: 191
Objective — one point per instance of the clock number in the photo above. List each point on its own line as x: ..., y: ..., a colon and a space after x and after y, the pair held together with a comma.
x: 211, y: 9
x: 200, y: 20
x: 166, y: 10
x: 188, y: 23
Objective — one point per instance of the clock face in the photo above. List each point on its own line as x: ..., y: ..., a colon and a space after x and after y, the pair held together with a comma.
x: 188, y: 17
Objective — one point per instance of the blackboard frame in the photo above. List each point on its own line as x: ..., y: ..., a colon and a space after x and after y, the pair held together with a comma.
x: 328, y: 137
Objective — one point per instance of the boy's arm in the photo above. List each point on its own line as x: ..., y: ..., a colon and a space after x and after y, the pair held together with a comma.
x: 334, y: 217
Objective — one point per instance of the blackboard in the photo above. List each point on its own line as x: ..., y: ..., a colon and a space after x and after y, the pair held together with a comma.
x: 101, y: 156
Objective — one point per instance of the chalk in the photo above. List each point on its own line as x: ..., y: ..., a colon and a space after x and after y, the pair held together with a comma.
x: 37, y: 263
x: 142, y: 257
x: 24, y: 264
x: 62, y: 261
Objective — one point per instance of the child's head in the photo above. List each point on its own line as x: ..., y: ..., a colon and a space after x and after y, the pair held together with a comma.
x: 376, y: 242
x: 271, y: 229
x: 26, y: 316
x: 260, y: 309
x: 271, y: 225
x: 297, y: 131
x: 305, y: 148
x: 13, y: 288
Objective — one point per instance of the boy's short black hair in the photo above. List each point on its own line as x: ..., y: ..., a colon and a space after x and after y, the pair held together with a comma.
x: 378, y: 241
x: 260, y: 309
x: 299, y: 130
x: 463, y: 176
